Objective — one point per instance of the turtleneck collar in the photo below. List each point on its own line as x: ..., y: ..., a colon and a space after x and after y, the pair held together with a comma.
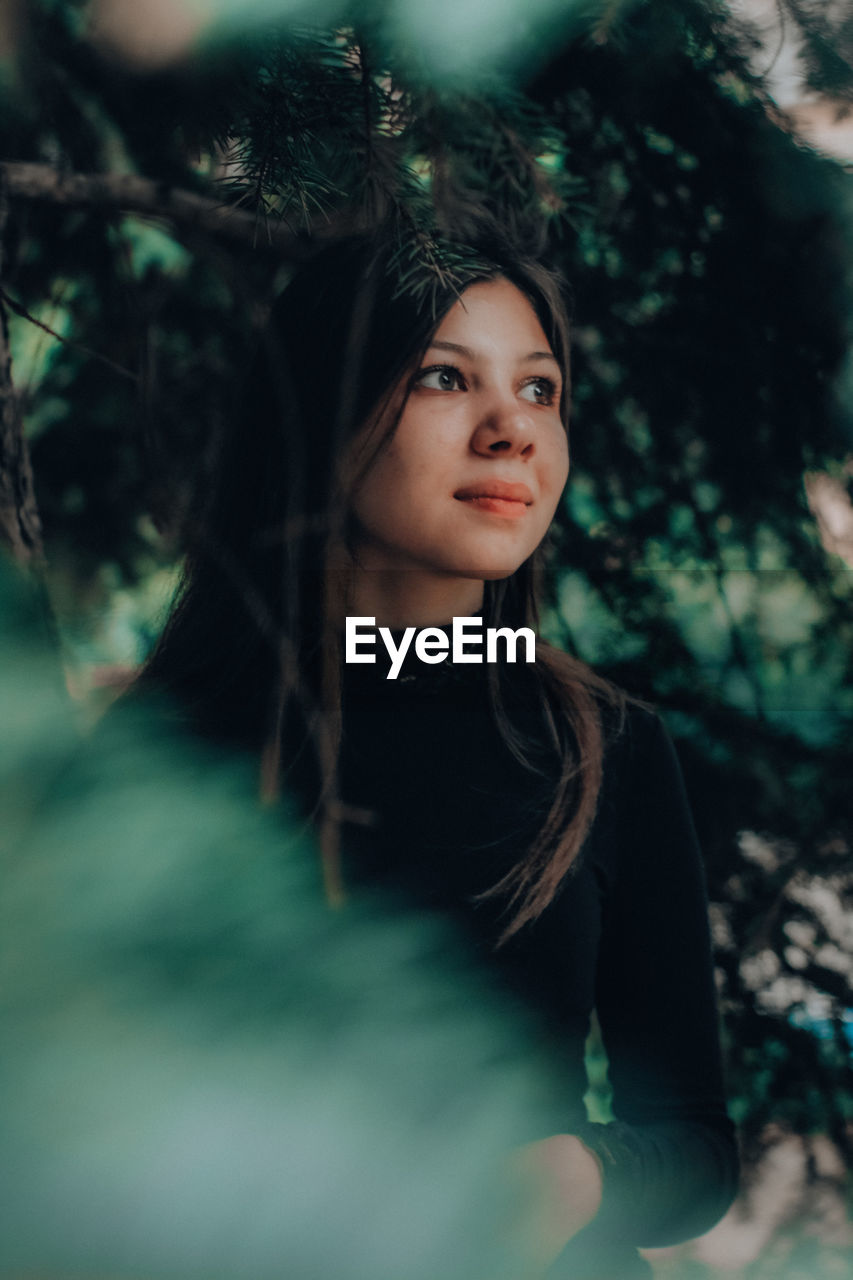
x: 414, y: 674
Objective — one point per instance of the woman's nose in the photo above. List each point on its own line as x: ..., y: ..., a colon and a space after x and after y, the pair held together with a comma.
x: 503, y: 428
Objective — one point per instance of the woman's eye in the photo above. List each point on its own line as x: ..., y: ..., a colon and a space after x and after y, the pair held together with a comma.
x: 539, y: 391
x: 441, y: 378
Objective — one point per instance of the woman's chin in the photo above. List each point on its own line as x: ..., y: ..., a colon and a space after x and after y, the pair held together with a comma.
x: 490, y: 573
x: 496, y: 575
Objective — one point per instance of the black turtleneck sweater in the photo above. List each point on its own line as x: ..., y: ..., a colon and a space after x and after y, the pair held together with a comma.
x: 626, y: 936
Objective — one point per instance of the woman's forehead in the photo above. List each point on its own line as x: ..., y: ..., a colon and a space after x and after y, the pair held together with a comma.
x: 493, y: 316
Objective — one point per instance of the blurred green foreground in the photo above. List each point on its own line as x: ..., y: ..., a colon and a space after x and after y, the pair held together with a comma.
x: 205, y: 1071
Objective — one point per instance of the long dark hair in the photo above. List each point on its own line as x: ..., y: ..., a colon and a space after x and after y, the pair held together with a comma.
x: 250, y: 652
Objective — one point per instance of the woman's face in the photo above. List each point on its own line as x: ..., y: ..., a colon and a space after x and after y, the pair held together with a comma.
x: 469, y: 482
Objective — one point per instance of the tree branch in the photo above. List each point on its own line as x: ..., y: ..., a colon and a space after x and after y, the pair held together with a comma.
x: 20, y: 526
x: 75, y: 346
x: 126, y: 191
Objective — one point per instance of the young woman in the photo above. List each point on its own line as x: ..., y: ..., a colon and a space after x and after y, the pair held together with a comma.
x: 402, y: 456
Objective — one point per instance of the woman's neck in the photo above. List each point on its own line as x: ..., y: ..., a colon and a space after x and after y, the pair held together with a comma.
x: 399, y: 598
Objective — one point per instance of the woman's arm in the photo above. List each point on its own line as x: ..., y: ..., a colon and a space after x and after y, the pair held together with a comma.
x: 559, y: 1181
x: 666, y: 1168
x: 669, y: 1160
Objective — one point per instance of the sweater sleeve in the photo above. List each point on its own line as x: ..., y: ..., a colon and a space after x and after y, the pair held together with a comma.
x: 669, y: 1160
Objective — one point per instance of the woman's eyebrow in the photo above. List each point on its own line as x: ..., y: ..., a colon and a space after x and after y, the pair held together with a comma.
x: 452, y: 346
x: 541, y: 355
x: 439, y: 345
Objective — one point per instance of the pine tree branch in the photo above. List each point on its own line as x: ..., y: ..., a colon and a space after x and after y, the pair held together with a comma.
x: 42, y: 182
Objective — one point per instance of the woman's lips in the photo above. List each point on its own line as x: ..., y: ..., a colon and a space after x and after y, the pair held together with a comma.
x: 497, y: 506
x: 497, y: 497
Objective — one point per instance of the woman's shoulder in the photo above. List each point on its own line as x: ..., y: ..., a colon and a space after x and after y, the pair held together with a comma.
x: 638, y: 751
x: 628, y: 723
x: 632, y: 726
x: 643, y: 817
